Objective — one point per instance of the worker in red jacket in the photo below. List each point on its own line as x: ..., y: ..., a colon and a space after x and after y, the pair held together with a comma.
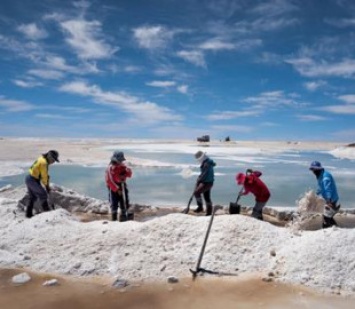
x: 116, y: 174
x: 252, y: 183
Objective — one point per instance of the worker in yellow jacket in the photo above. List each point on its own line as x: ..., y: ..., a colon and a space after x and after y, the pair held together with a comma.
x: 37, y: 181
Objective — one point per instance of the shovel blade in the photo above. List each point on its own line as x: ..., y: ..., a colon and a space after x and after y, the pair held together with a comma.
x: 234, y: 208
x: 185, y: 211
x: 126, y: 217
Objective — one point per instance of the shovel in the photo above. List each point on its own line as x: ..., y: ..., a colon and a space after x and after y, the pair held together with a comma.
x: 187, y: 209
x: 234, y: 208
x: 125, y: 216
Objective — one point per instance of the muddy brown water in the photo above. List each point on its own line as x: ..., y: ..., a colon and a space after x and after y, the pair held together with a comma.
x: 203, y: 293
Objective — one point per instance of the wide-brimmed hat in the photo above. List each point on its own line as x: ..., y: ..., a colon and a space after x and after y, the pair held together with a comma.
x: 199, y: 154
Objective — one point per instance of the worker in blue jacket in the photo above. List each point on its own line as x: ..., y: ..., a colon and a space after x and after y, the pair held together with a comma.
x: 328, y: 190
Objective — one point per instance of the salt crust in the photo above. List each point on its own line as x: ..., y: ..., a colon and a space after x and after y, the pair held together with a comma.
x: 57, y: 242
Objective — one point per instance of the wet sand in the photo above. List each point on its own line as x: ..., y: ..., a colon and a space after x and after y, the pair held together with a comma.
x: 203, y: 293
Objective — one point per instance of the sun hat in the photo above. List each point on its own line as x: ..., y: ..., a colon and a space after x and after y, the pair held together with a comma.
x: 199, y: 154
x: 54, y: 154
x: 315, y: 166
x: 118, y: 156
x: 240, y: 178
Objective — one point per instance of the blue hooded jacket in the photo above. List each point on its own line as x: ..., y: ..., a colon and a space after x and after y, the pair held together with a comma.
x: 207, y: 172
x: 327, y: 187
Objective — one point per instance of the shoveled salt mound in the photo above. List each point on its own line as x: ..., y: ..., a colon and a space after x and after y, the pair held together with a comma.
x: 56, y: 242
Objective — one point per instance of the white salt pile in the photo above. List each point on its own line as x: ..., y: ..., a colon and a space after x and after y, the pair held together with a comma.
x: 57, y: 242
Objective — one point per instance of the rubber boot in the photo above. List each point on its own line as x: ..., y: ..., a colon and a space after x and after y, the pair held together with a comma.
x: 208, y: 209
x: 257, y: 215
x: 123, y: 217
x: 114, y: 216
x: 45, y: 206
x: 199, y: 208
x: 29, y: 209
x: 199, y: 205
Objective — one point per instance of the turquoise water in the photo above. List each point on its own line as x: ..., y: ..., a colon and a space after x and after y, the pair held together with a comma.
x: 286, y: 175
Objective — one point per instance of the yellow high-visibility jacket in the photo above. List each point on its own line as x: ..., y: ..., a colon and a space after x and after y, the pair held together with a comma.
x: 39, y: 170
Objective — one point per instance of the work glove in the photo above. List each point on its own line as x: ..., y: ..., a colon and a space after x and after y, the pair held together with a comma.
x: 330, y: 204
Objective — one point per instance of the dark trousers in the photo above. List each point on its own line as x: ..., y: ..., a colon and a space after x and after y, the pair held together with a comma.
x: 328, y: 215
x: 258, y: 210
x: 35, y: 191
x: 205, y: 190
x: 328, y: 222
x: 117, y: 199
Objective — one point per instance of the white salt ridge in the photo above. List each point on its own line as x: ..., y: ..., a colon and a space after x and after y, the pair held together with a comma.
x: 56, y: 242
x: 344, y: 153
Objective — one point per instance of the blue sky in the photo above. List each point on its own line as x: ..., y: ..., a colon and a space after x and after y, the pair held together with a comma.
x: 252, y: 70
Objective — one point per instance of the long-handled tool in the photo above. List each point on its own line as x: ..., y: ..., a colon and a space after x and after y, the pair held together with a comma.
x: 198, y: 268
x: 125, y: 216
x: 187, y: 209
x: 234, y: 208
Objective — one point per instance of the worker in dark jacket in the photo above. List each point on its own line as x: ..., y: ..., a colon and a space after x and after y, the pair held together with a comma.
x: 204, y: 182
x: 115, y: 176
x: 252, y: 183
x: 37, y: 181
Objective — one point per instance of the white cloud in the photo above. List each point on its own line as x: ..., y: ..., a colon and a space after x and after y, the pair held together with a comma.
x: 87, y: 39
x: 265, y: 24
x: 46, y: 74
x: 314, y: 85
x: 183, y: 89
x: 55, y: 116
x: 144, y: 112
x: 14, y: 105
x: 195, y: 57
x: 274, y: 8
x: 27, y: 83
x: 339, y: 109
x: 269, y: 124
x: 341, y: 22
x: 216, y: 44
x: 161, y: 84
x: 132, y: 69
x: 226, y: 115
x: 311, y: 118
x: 82, y: 4
x: 32, y: 32
x: 274, y: 99
x: 269, y: 16
x: 269, y: 58
x: 152, y: 37
x: 310, y: 68
x: 348, y: 98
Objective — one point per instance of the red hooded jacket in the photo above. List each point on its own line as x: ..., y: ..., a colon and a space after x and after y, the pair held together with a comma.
x: 254, y: 185
x: 116, y: 173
